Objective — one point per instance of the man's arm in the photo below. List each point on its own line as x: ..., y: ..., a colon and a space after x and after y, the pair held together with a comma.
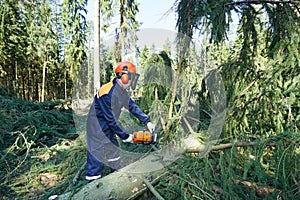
x: 136, y: 111
x: 105, y: 105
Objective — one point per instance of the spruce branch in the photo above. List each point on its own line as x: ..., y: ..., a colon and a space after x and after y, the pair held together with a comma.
x: 261, y: 2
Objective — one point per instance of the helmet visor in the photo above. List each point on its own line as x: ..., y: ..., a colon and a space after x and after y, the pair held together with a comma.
x: 134, y: 78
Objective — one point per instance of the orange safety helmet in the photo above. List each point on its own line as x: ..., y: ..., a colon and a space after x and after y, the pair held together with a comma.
x: 127, y: 71
x: 124, y: 71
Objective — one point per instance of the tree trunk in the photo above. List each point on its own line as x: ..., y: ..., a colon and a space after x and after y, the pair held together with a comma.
x: 89, y: 73
x: 183, y: 47
x: 43, y: 82
x: 97, y: 46
x: 121, y: 184
x: 122, y: 31
x: 66, y: 96
x: 23, y: 87
x: 128, y: 181
x: 29, y: 86
x: 16, y: 86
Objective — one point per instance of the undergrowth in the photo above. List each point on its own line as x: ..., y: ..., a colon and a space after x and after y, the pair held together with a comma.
x: 265, y: 171
x: 39, y: 151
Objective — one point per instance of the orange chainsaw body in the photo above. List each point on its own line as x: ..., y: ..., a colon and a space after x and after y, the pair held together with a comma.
x: 144, y: 137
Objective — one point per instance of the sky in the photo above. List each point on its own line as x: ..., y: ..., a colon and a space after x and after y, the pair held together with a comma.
x: 152, y: 13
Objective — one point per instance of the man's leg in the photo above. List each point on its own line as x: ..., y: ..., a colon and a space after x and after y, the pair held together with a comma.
x: 113, y: 155
x: 94, y: 166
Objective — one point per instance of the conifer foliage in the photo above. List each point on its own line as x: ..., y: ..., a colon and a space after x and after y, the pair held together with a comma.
x: 42, y: 47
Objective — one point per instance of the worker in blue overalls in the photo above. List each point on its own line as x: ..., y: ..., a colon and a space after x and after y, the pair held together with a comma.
x: 103, y: 124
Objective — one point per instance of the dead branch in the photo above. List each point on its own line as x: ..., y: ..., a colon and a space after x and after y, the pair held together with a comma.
x: 151, y: 188
x: 229, y: 145
x: 188, y: 125
x: 143, y: 190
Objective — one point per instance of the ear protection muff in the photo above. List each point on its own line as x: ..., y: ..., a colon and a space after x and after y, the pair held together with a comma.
x: 125, y: 78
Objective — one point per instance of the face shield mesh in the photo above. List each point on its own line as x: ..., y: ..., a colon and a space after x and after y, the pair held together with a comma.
x: 134, y: 78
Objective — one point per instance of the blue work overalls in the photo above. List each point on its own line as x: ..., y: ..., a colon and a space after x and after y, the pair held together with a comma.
x: 103, y: 126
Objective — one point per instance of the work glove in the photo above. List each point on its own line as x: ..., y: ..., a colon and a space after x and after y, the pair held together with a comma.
x: 151, y: 127
x: 129, y: 139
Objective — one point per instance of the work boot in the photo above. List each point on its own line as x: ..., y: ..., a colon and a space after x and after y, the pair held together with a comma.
x: 92, y: 178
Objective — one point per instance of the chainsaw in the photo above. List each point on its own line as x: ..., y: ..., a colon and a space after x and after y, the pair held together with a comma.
x: 144, y: 137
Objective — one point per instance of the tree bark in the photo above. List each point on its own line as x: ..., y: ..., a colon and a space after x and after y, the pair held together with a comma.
x: 97, y: 46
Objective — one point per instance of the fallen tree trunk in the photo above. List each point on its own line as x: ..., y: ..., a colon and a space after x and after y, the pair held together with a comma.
x: 129, y: 182
x: 124, y: 183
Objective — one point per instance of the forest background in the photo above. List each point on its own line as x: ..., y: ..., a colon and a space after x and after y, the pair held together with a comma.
x: 47, y: 68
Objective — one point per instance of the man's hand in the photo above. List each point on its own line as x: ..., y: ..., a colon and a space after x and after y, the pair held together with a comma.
x: 151, y: 127
x: 129, y: 139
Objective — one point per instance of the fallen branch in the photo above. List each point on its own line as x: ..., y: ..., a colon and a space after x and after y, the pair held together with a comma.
x: 28, y: 148
x: 76, y: 177
x: 230, y: 145
x: 143, y: 190
x: 151, y: 188
x: 188, y: 125
x: 240, y: 144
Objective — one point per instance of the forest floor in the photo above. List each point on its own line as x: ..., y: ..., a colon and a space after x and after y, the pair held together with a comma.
x: 41, y: 153
x: 42, y: 150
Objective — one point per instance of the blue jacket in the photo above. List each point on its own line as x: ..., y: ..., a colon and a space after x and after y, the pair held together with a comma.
x: 107, y: 105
